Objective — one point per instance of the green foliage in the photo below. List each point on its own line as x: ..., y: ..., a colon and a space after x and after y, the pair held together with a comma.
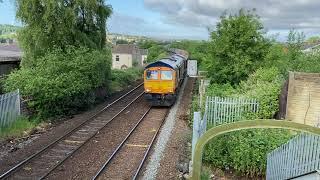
x: 205, y: 174
x: 197, y: 50
x: 313, y: 39
x: 58, y: 23
x: 122, y: 41
x: 120, y: 79
x: 237, y: 47
x: 2, y: 80
x: 147, y: 44
x: 221, y: 90
x: 156, y: 50
x: 8, y: 29
x: 277, y: 57
x: 244, y: 151
x: 265, y: 86
x: 295, y: 43
x: 63, y: 80
x: 18, y: 128
x: 308, y: 63
x: 289, y: 57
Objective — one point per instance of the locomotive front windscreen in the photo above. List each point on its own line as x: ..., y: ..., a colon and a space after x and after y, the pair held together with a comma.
x: 166, y: 75
x: 152, y: 75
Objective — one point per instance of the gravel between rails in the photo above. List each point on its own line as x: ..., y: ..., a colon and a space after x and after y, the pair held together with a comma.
x: 88, y: 159
x: 124, y: 165
x: 163, y: 138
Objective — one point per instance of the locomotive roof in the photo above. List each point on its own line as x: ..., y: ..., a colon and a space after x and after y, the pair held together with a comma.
x: 173, y: 62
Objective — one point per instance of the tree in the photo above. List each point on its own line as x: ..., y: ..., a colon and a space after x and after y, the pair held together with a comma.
x: 237, y: 47
x: 61, y: 23
x: 122, y: 41
x: 313, y: 39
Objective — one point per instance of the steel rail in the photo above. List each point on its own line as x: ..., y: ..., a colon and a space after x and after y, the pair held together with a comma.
x: 103, y: 167
x: 149, y: 148
x: 16, y: 167
x: 57, y: 165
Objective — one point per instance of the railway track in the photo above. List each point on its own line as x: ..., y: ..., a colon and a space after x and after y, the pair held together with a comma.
x: 121, y: 164
x: 43, y: 162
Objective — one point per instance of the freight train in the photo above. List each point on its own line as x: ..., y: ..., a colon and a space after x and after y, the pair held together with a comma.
x: 163, y: 78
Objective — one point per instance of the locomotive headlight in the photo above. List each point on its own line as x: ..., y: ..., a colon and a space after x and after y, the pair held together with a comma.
x: 148, y: 90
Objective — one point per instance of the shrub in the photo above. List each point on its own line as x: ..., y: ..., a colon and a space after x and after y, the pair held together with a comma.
x: 245, y: 151
x: 122, y: 78
x: 221, y: 90
x: 62, y: 80
x: 263, y: 85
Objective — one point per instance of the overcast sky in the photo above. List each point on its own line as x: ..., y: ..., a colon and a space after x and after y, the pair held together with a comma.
x: 189, y: 19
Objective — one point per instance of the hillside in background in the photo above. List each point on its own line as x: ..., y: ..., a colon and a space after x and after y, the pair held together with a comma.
x: 7, y: 32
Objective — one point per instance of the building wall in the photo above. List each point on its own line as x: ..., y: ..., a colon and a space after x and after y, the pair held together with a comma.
x: 303, y: 102
x: 125, y: 60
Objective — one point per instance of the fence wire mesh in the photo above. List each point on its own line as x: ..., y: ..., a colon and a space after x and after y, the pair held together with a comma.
x: 9, y: 108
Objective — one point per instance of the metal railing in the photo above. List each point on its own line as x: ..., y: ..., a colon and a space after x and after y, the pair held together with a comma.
x: 299, y: 156
x: 9, y: 108
x: 220, y: 110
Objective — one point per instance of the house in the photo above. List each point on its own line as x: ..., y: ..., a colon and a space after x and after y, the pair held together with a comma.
x: 128, y: 55
x: 10, y: 57
x: 311, y: 48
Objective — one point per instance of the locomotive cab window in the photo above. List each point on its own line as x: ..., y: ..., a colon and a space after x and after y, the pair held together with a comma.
x: 151, y: 75
x: 166, y: 75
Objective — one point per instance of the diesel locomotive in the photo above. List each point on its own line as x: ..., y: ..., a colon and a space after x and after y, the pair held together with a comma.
x: 163, y: 78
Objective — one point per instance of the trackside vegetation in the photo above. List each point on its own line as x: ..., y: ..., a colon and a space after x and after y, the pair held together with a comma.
x: 62, y: 80
x: 66, y: 65
x: 243, y: 62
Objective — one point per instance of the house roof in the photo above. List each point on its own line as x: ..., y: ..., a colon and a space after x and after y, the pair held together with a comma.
x: 10, y: 52
x: 125, y: 49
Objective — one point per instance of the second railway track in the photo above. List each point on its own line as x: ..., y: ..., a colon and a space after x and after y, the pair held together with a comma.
x: 43, y: 162
x: 128, y: 158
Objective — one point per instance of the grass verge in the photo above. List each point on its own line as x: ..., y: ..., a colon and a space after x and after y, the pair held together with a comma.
x: 22, y: 126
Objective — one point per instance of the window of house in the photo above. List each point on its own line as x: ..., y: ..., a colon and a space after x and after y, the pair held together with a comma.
x: 151, y: 75
x: 117, y: 58
x: 166, y: 75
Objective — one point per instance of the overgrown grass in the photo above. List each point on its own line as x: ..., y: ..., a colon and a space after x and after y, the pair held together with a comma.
x: 20, y: 127
x: 205, y: 173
